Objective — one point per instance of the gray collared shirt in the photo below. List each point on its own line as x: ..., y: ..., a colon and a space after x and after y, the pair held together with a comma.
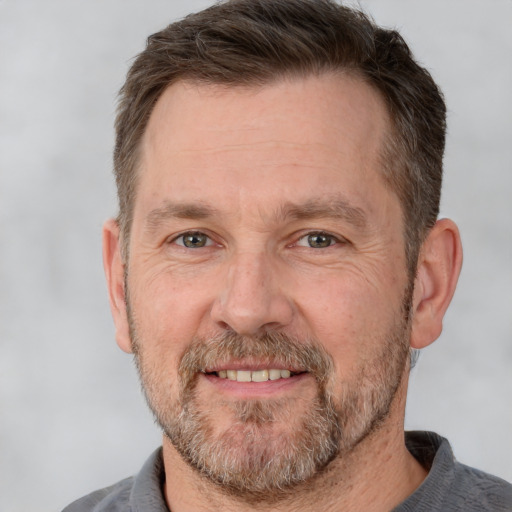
x: 450, y: 486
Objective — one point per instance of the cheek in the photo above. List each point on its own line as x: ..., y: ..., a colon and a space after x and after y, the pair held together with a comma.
x: 168, y: 311
x: 348, y: 313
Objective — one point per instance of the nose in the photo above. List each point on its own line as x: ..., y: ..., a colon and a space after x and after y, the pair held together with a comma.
x: 251, y: 300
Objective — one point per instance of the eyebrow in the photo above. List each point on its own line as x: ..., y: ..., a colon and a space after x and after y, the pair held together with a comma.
x: 171, y: 210
x: 337, y: 208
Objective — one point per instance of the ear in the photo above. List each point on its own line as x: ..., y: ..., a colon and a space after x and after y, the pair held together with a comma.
x: 439, y: 265
x: 114, y: 272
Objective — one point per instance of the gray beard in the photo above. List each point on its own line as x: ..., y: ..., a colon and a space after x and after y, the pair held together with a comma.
x: 255, y: 459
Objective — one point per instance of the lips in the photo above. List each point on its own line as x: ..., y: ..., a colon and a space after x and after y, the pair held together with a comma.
x: 241, y: 364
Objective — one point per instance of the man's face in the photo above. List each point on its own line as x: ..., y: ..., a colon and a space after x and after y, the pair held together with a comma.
x: 266, y: 280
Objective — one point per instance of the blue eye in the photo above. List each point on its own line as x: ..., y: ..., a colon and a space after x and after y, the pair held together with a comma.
x: 318, y: 240
x: 193, y: 240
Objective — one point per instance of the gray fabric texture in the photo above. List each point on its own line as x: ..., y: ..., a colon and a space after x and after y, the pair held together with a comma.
x: 449, y: 487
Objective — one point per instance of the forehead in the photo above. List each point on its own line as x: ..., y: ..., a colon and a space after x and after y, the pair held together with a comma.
x: 287, y: 137
x: 335, y: 106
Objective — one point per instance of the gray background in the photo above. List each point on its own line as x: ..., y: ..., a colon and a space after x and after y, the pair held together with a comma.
x: 72, y: 417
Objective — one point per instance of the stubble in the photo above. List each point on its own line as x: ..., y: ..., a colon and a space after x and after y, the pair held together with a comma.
x: 272, y: 446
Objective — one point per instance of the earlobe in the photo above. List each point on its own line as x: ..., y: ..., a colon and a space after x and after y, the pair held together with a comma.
x: 439, y: 265
x: 114, y: 272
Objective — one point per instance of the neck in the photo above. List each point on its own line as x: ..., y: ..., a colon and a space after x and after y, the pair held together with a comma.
x: 378, y: 474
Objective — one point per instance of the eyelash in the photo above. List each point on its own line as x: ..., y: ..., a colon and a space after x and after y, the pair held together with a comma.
x: 208, y: 242
x: 333, y: 240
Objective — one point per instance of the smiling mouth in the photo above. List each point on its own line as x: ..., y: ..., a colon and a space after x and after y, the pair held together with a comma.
x: 254, y: 376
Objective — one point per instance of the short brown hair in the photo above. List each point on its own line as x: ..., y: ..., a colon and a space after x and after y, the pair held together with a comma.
x: 254, y: 42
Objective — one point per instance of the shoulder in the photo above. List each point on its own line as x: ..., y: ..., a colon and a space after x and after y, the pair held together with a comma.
x: 111, y: 499
x: 450, y: 485
x: 478, y: 491
x: 142, y: 492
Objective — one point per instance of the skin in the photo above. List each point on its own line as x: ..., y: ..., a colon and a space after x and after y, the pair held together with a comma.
x: 259, y: 166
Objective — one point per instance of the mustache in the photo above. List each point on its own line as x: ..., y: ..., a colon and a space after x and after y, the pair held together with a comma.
x: 270, y: 347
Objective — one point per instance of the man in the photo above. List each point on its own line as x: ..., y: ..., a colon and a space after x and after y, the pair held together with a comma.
x: 276, y: 258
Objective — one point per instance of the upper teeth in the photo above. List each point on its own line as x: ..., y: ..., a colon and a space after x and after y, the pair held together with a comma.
x: 253, y: 376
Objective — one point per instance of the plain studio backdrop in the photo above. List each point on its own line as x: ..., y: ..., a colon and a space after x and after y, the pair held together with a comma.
x: 72, y: 415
